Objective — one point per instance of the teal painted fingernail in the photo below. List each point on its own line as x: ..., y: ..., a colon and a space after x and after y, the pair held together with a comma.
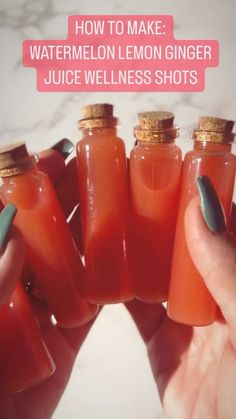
x: 6, y: 218
x: 211, y: 207
x: 64, y: 147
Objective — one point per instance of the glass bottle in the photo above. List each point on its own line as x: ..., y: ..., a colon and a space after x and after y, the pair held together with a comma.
x: 25, y: 360
x: 54, y: 259
x: 102, y: 177
x: 189, y: 300
x: 155, y: 171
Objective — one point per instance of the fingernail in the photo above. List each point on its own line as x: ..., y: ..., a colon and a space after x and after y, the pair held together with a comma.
x: 211, y: 207
x: 6, y: 218
x: 64, y: 147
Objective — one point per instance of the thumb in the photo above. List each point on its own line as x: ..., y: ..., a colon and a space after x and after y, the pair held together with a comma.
x: 214, y: 255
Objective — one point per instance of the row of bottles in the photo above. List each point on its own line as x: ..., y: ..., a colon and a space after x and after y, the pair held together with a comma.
x: 132, y: 245
x: 160, y: 267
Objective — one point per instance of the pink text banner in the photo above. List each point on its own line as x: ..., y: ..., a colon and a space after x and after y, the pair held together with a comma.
x: 120, y: 53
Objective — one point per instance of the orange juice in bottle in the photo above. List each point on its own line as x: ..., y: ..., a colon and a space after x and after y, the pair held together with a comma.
x: 155, y: 170
x: 52, y: 253
x: 189, y: 300
x: 25, y: 360
x: 102, y: 177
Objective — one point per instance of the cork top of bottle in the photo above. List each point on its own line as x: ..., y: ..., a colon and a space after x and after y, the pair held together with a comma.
x: 156, y: 120
x: 98, y: 110
x: 210, y: 123
x: 98, y: 115
x: 15, y: 159
x: 214, y: 129
x: 156, y: 126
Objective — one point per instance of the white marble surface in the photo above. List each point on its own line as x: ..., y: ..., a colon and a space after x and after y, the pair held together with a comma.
x: 112, y: 377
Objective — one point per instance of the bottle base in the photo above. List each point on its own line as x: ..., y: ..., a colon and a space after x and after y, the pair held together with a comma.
x: 152, y: 300
x: 193, y: 323
x: 74, y: 325
x: 109, y: 300
x: 31, y: 383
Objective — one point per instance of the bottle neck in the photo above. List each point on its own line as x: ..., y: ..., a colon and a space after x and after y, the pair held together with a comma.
x: 9, y: 179
x: 212, y: 146
x: 106, y: 131
x: 140, y: 143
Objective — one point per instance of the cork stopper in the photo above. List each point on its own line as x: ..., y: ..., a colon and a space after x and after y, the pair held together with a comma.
x: 15, y: 159
x: 11, y: 154
x: 156, y: 127
x: 213, y: 129
x: 98, y: 115
x: 208, y: 123
x: 98, y: 110
x: 156, y: 120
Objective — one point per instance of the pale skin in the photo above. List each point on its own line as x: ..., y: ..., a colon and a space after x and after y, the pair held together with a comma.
x: 194, y: 368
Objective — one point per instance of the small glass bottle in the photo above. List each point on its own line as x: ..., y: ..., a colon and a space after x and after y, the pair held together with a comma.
x: 24, y: 358
x: 55, y: 261
x: 102, y: 177
x: 189, y: 300
x: 155, y: 171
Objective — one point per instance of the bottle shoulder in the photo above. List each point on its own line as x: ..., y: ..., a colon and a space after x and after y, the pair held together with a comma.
x: 89, y: 143
x: 33, y: 178
x: 90, y: 139
x: 156, y: 151
x: 205, y: 153
x: 29, y: 190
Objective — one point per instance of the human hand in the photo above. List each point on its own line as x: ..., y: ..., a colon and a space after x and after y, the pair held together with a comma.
x: 189, y: 364
x: 40, y: 401
x: 195, y: 367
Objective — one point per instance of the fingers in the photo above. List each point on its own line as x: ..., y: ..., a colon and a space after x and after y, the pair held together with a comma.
x: 214, y: 255
x: 76, y: 337
x: 166, y: 340
x: 147, y: 317
x: 63, y: 346
x: 11, y: 264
